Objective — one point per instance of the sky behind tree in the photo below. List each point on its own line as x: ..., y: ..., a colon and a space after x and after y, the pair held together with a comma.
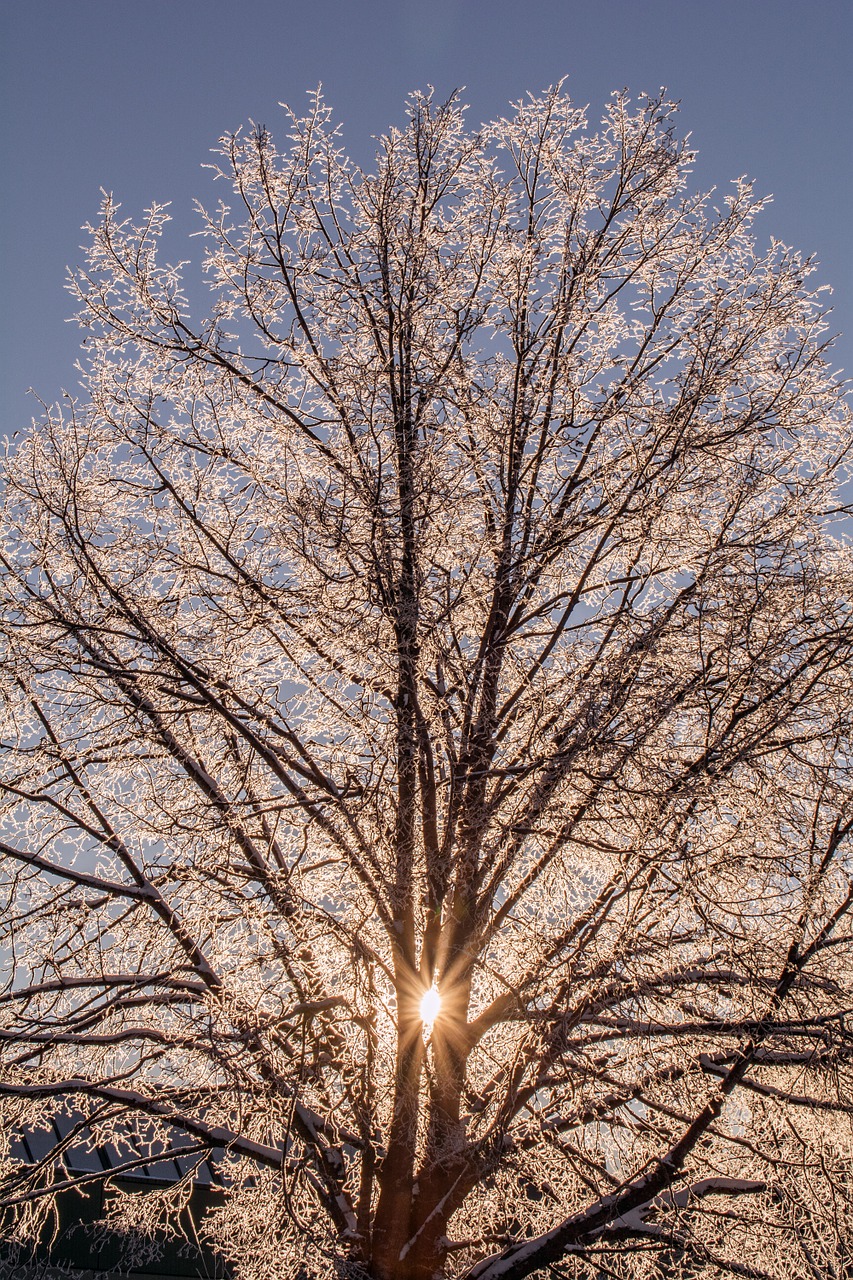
x: 131, y: 97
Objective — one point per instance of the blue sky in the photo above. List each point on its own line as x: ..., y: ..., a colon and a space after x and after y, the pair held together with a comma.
x: 131, y: 94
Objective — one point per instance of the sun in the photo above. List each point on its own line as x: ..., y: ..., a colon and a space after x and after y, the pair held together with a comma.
x: 430, y: 1006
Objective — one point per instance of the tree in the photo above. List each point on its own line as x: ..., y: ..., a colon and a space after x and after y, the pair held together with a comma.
x: 461, y: 610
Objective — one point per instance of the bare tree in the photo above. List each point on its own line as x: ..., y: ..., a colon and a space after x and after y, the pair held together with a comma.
x: 427, y: 715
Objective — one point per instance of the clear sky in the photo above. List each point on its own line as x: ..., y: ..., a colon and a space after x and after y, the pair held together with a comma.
x: 131, y: 94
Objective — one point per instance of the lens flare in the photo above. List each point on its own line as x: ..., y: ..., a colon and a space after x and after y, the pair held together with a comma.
x: 430, y: 1006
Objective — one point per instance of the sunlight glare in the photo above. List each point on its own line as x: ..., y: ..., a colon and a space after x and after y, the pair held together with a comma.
x: 430, y: 1005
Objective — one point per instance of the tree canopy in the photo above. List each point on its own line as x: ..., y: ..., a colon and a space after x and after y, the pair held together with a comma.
x: 426, y: 716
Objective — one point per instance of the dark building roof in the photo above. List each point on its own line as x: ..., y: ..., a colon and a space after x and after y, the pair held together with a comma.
x: 127, y: 1162
x: 132, y: 1151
